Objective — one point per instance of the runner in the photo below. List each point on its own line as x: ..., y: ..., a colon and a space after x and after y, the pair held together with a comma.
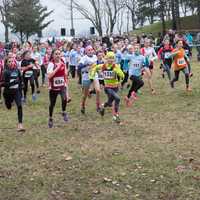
x: 85, y: 65
x: 180, y: 64
x: 1, y: 77
x: 12, y: 82
x: 165, y: 58
x: 149, y: 52
x: 27, y: 66
x: 113, y: 75
x: 36, y: 68
x: 57, y: 75
x: 137, y: 63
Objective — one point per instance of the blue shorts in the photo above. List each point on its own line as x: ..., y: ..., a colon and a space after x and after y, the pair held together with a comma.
x: 86, y: 83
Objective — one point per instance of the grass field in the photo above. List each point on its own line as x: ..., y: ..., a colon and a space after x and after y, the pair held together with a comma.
x: 154, y: 155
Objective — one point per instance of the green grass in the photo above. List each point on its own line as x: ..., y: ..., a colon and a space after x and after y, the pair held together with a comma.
x: 187, y: 23
x: 138, y: 159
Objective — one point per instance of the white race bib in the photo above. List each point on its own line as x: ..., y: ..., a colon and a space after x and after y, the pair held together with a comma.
x: 136, y: 65
x: 181, y: 61
x: 58, y: 81
x: 13, y: 86
x: 167, y: 55
x: 28, y: 74
x: 108, y: 75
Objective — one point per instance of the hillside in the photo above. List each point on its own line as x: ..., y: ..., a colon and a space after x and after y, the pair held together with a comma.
x: 187, y: 23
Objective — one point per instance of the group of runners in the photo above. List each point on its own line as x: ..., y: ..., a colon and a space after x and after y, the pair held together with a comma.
x: 96, y: 65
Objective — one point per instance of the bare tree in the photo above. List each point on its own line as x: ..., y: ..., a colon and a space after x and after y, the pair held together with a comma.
x: 94, y: 16
x: 112, y: 8
x: 132, y: 6
x: 120, y: 18
x: 4, y: 10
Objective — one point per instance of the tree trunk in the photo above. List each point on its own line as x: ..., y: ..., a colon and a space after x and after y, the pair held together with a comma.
x: 133, y: 20
x: 6, y: 33
x: 177, y: 10
x: 21, y: 37
x: 173, y: 15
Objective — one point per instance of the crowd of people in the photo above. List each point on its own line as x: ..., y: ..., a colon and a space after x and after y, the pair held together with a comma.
x: 110, y: 64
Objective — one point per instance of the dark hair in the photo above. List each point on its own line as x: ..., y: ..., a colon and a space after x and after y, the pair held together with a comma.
x: 24, y: 53
x: 52, y: 53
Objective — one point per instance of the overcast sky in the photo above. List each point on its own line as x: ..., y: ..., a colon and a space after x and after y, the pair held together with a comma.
x: 61, y: 17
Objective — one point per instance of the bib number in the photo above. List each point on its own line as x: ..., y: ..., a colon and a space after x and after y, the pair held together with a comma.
x: 181, y: 61
x: 58, y: 82
x: 13, y: 86
x: 108, y: 75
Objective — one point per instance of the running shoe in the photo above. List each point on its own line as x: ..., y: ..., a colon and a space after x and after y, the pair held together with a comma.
x: 102, y: 111
x: 34, y: 97
x: 20, y: 128
x: 172, y: 84
x: 50, y: 123
x: 188, y: 89
x: 116, y: 119
x: 23, y: 100
x: 65, y: 117
x: 83, y: 110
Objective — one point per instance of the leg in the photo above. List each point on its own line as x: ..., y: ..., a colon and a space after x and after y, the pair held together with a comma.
x: 19, y: 106
x: 97, y: 89
x: 176, y: 77
x: 187, y: 77
x: 25, y: 87
x: 167, y: 69
x: 52, y: 98
x: 110, y: 100
x: 43, y: 70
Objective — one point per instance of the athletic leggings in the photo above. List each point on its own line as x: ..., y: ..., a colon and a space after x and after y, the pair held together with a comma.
x: 186, y: 72
x: 31, y: 79
x: 167, y: 68
x: 112, y: 96
x: 43, y: 70
x: 14, y: 95
x: 36, y: 75
x: 53, y: 96
x: 72, y: 71
x: 125, y: 79
x: 137, y: 83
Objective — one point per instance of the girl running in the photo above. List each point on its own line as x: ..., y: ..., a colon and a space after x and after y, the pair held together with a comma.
x: 165, y: 58
x: 12, y: 82
x: 149, y: 52
x: 180, y: 64
x: 27, y: 66
x: 57, y: 75
x: 85, y: 66
x: 112, y: 78
x: 137, y: 64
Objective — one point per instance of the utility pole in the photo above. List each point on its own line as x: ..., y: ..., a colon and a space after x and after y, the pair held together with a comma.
x: 72, y: 31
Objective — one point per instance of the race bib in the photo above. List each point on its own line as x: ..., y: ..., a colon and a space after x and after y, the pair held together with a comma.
x: 58, y: 81
x: 14, y: 86
x: 136, y: 65
x: 181, y: 61
x: 167, y: 55
x: 28, y: 74
x: 108, y: 75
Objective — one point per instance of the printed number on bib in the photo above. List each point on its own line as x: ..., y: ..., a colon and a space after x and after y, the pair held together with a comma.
x: 28, y: 74
x: 181, y: 61
x: 136, y: 65
x: 109, y: 75
x: 58, y: 82
x: 167, y: 55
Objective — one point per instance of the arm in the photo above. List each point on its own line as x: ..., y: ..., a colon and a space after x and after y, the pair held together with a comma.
x: 51, y: 71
